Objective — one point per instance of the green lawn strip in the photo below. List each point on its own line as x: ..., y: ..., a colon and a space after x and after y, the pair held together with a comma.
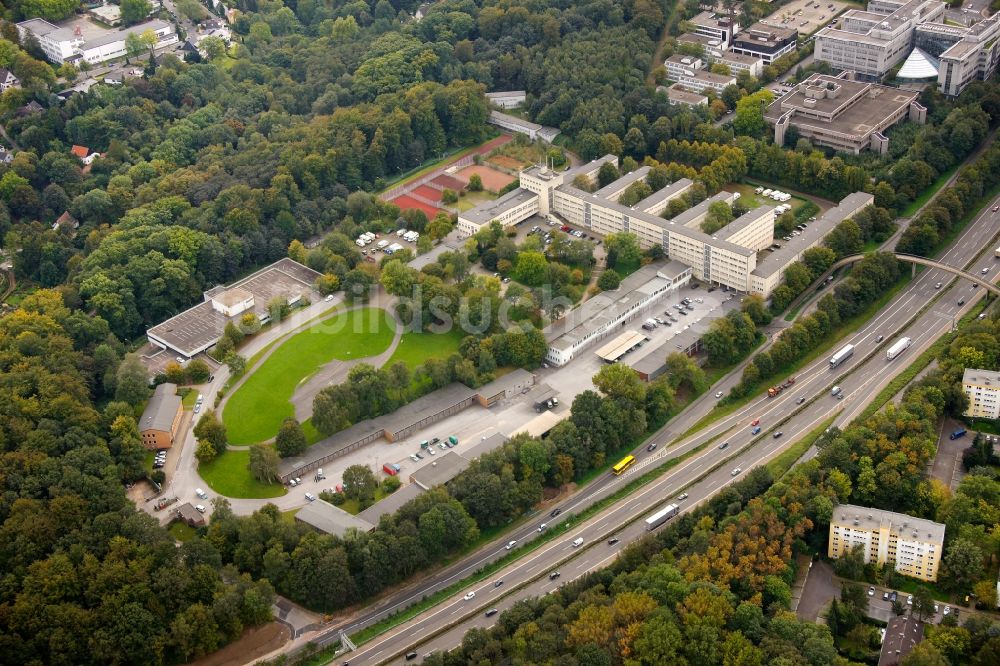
x: 188, y: 397
x: 181, y: 531
x: 228, y: 475
x: 353, y: 507
x: 255, y: 410
x: 309, y: 430
x: 416, y: 347
x: 929, y: 193
x: 780, y: 465
x: 842, y: 331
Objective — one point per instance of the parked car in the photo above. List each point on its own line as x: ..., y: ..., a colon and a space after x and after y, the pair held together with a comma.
x: 871, y: 590
x: 938, y: 285
x: 310, y: 497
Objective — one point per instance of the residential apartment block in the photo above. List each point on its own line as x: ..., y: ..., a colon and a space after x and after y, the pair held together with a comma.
x: 983, y: 389
x: 843, y: 114
x: 766, y: 42
x: 872, y: 42
x: 913, y: 546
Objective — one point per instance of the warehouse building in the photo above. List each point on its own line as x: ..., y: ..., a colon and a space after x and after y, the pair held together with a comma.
x: 325, y: 517
x: 161, y: 418
x: 77, y: 41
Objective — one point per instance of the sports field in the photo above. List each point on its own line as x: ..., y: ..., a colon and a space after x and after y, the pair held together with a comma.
x: 493, y: 180
x: 255, y: 411
x: 414, y: 348
x: 406, y: 202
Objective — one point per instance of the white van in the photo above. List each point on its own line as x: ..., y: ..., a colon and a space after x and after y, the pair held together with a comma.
x: 359, y: 243
x: 835, y: 390
x: 577, y: 542
x: 201, y: 493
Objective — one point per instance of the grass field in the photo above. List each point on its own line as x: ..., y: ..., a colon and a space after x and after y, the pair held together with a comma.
x: 255, y: 411
x: 228, y: 475
x: 181, y: 531
x: 415, y: 348
x: 472, y: 199
x: 751, y: 200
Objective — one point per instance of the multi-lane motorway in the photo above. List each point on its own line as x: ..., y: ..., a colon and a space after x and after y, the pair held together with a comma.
x: 861, y: 377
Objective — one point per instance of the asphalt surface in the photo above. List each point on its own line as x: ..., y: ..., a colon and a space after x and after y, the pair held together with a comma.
x: 861, y: 377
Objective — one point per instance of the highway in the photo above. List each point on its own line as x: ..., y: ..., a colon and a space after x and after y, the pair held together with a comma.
x: 867, y: 376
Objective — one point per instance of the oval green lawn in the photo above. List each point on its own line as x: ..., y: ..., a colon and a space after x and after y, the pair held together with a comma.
x: 255, y: 411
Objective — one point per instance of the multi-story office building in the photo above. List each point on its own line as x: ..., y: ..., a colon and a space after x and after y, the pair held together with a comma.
x: 676, y: 94
x: 726, y: 258
x: 738, y: 63
x: 872, y: 42
x: 710, y: 47
x: 70, y: 44
x: 913, y: 546
x: 766, y: 42
x: 965, y: 53
x: 843, y: 114
x: 719, y: 28
x: 700, y: 79
x: 983, y: 390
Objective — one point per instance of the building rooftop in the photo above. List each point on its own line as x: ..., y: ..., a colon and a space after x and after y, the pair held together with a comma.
x: 118, y: 35
x: 471, y: 450
x: 832, y: 104
x: 541, y: 424
x: 919, y: 65
x: 505, y: 93
x: 762, y: 34
x: 656, y: 199
x: 607, y: 306
x: 489, y: 211
x: 975, y: 377
x: 441, y: 470
x: 962, y: 50
x: 902, y: 634
x: 200, y: 326
x: 712, y: 77
x: 864, y: 517
x: 231, y: 297
x: 649, y: 361
x: 729, y: 56
x: 325, y: 517
x: 677, y: 94
x: 161, y: 409
x: 514, y: 120
x: 189, y: 514
x: 814, y: 232
x: 390, y: 504
x: 619, y: 185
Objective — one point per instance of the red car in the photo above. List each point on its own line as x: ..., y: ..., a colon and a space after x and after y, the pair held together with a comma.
x: 564, y: 227
x: 755, y: 422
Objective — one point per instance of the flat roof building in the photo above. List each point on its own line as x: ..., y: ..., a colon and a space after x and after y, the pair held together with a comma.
x: 913, y: 546
x: 325, y: 517
x: 843, y: 114
x: 531, y: 130
x: 710, y: 47
x: 725, y: 258
x: 439, y: 471
x: 608, y: 311
x: 770, y: 269
x: 700, y: 79
x: 623, y: 344
x: 200, y: 327
x: 738, y: 63
x: 721, y: 28
x: 507, y: 99
x: 766, y: 42
x: 161, y: 418
x: 963, y: 54
x: 872, y: 42
x: 676, y: 94
x: 73, y: 41
x: 982, y: 387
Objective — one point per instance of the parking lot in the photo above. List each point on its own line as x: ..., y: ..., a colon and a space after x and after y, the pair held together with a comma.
x: 806, y: 16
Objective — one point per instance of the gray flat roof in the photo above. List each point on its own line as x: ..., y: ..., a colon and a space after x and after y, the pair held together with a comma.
x: 506, y: 93
x: 119, y: 35
x: 325, y: 517
x: 873, y: 519
x: 200, y: 326
x: 489, y: 211
x: 678, y: 94
x: 390, y: 504
x: 743, y: 221
x: 656, y: 198
x: 514, y: 120
x: 161, y: 409
x: 981, y: 377
x: 440, y: 470
x: 623, y: 183
x: 607, y: 306
x: 482, y: 446
x: 815, y: 232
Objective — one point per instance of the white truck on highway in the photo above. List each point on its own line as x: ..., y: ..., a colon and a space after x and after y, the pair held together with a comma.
x: 661, y: 516
x: 897, y: 348
x: 845, y: 353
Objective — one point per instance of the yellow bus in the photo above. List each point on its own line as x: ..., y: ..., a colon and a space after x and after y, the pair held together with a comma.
x: 623, y: 465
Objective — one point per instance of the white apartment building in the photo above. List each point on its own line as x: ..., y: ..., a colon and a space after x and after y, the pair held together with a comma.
x: 983, y: 390
x: 678, y: 65
x: 66, y: 44
x: 738, y: 63
x: 726, y: 258
x: 699, y: 80
x: 913, y: 546
x: 872, y: 42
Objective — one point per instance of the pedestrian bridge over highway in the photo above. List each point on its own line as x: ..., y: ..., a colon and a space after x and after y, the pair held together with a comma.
x: 911, y: 258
